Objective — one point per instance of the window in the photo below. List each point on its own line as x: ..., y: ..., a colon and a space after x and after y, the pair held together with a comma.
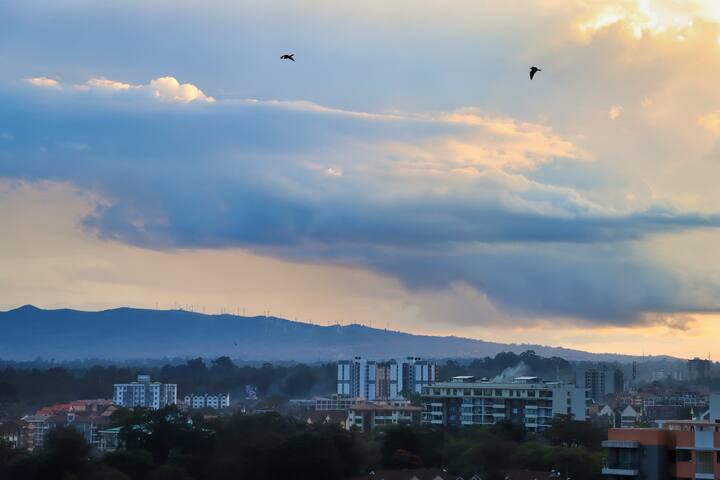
x: 705, y: 463
x: 683, y: 455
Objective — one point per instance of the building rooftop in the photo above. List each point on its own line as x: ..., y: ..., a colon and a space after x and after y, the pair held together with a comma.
x: 368, y: 407
x: 414, y: 474
x: 472, y: 382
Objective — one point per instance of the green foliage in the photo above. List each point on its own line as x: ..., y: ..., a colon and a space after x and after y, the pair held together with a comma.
x: 41, y: 387
x: 578, y: 463
x: 164, y: 444
x: 162, y: 432
x: 135, y: 464
x: 66, y: 451
x: 490, y: 367
x: 568, y: 432
x: 170, y: 472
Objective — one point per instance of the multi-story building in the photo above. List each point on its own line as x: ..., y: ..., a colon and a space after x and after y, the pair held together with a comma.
x: 217, y: 401
x: 417, y: 374
x: 367, y: 417
x: 526, y: 400
x: 602, y: 381
x: 37, y: 427
x: 88, y: 425
x: 13, y: 433
x: 145, y: 393
x: 373, y: 380
x: 682, y: 449
x: 335, y: 402
x: 698, y: 368
x: 677, y: 450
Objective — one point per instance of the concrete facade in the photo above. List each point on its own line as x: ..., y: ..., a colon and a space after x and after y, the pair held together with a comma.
x: 527, y: 400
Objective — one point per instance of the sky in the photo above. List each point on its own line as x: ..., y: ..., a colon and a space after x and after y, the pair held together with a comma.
x: 403, y: 173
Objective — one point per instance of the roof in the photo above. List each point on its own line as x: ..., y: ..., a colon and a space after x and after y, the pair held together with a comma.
x: 509, y: 385
x: 35, y: 418
x: 629, y: 411
x: 10, y: 427
x: 328, y: 416
x: 114, y: 430
x: 76, y: 406
x: 374, y: 407
x: 414, y: 474
x: 528, y: 475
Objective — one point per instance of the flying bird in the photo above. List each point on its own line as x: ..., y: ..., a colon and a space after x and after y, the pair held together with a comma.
x: 533, y: 71
x: 288, y: 56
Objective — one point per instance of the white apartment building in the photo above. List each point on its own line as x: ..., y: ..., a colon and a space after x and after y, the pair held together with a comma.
x: 366, y: 417
x: 145, y: 393
x: 220, y: 400
x: 37, y: 427
x: 526, y: 400
x: 372, y: 380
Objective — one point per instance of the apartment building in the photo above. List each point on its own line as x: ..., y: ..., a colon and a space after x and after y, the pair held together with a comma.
x: 37, y: 427
x: 681, y: 449
x: 367, y: 417
x: 527, y: 400
x: 13, y: 433
x: 216, y: 401
x: 145, y: 393
x: 372, y: 380
x: 601, y: 381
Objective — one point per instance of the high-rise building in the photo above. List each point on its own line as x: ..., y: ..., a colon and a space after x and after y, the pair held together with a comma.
x: 206, y: 400
x: 602, y: 381
x: 145, y: 393
x: 698, y: 368
x: 526, y: 400
x: 389, y: 380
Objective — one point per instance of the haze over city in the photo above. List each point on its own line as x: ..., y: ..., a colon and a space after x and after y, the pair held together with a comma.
x: 402, y: 172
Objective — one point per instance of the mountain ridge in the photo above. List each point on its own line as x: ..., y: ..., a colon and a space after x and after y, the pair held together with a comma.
x: 124, y: 333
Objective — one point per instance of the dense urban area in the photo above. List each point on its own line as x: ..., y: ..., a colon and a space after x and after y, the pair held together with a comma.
x: 511, y: 417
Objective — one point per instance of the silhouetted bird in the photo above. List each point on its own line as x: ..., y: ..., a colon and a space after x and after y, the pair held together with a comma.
x: 288, y: 56
x: 533, y: 71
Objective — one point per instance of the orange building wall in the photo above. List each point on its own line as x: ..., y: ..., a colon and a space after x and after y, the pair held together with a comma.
x: 646, y: 436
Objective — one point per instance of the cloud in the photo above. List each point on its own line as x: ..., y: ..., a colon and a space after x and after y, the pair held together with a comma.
x: 614, y: 112
x: 168, y: 88
x: 333, y: 172
x: 245, y: 174
x: 680, y: 321
x: 710, y: 122
x: 44, y: 82
x: 515, y: 201
x: 105, y: 84
x: 163, y: 88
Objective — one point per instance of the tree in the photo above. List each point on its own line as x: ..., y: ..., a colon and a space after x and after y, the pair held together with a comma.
x: 67, y: 452
x: 399, y: 439
x: 509, y: 430
x: 136, y: 464
x: 568, y: 432
x: 170, y: 472
x: 222, y: 365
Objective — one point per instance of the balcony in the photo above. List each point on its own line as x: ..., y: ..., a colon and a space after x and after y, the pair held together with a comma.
x: 626, y: 472
x: 620, y: 444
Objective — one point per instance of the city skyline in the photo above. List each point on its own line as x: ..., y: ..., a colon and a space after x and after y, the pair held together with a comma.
x: 403, y: 171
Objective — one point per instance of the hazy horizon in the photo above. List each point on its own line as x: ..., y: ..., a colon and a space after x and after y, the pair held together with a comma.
x: 404, y: 171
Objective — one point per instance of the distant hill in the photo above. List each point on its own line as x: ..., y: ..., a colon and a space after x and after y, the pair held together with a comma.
x: 128, y: 333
